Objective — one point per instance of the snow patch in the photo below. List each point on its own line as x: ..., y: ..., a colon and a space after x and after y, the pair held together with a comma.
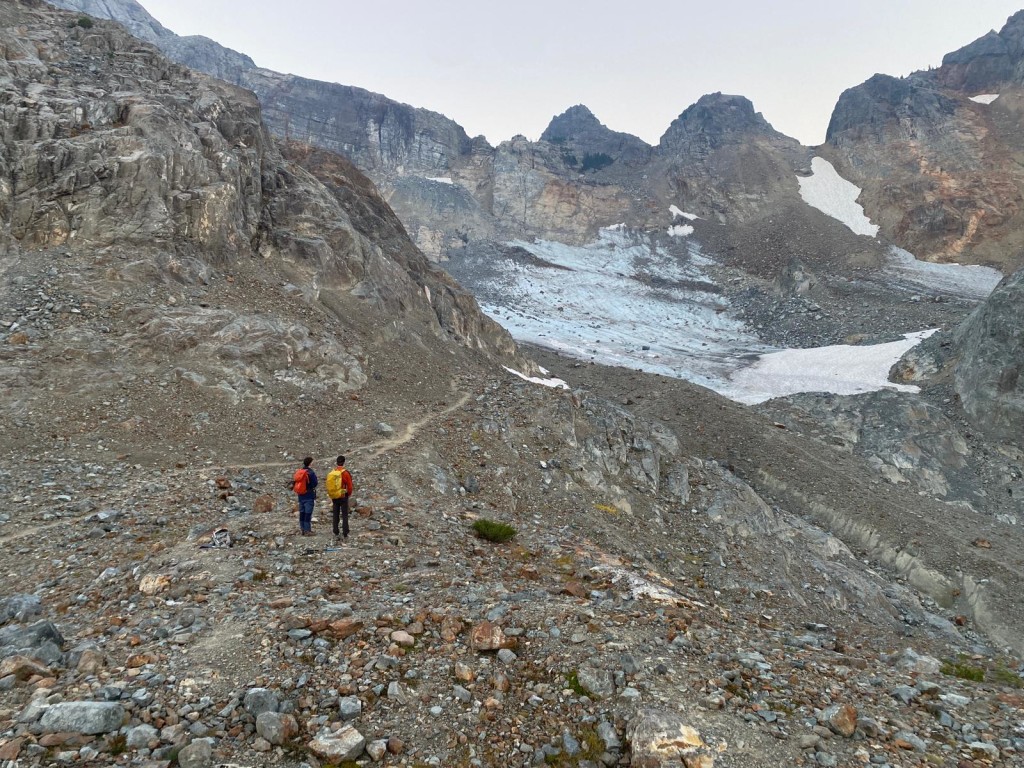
x: 834, y: 196
x: 553, y: 383
x: 680, y: 230
x: 614, y: 227
x: 676, y: 212
x: 441, y: 179
x: 965, y: 281
x: 985, y: 98
x: 841, y: 369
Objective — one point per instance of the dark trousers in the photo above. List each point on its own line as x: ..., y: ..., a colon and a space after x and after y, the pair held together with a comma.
x: 306, y: 513
x: 340, y: 506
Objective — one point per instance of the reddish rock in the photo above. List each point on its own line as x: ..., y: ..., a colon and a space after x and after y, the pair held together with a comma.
x: 343, y: 628
x: 223, y: 483
x: 487, y: 637
x: 263, y: 505
x: 91, y: 662
x: 22, y: 667
x: 574, y: 588
x: 841, y: 718
x: 9, y: 749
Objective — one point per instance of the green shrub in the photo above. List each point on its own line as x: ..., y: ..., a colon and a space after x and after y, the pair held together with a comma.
x: 85, y: 22
x: 492, y: 531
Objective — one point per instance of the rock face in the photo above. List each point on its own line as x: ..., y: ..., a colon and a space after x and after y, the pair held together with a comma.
x: 719, y: 160
x: 988, y: 375
x: 589, y: 145
x: 208, y: 188
x: 938, y: 170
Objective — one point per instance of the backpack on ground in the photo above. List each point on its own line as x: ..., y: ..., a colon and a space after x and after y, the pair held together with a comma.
x: 336, y: 484
x: 300, y: 481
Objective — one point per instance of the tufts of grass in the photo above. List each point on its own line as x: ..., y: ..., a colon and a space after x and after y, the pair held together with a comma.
x: 493, y: 531
x: 572, y: 682
x: 117, y: 744
x: 963, y: 671
x: 607, y: 508
x: 85, y: 22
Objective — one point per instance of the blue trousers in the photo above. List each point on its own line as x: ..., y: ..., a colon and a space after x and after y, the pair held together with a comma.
x: 306, y: 513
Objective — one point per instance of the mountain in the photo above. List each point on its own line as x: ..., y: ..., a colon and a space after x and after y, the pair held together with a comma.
x: 938, y: 152
x: 189, y: 305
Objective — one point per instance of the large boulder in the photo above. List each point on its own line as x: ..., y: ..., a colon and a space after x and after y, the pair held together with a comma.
x: 88, y: 717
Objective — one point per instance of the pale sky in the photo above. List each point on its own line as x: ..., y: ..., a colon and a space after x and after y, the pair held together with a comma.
x: 508, y: 68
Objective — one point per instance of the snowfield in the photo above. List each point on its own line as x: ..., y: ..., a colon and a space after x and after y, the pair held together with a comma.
x: 985, y: 98
x: 840, y: 369
x: 834, y: 196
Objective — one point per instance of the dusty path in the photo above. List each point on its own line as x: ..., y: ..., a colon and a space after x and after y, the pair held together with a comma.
x: 371, y: 450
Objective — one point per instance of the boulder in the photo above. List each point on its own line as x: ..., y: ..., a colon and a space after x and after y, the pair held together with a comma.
x: 88, y: 717
x: 345, y: 744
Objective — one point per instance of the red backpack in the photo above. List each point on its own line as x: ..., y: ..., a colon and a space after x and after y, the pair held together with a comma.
x: 300, y: 480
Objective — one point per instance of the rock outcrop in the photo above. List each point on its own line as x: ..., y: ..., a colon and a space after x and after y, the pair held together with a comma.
x: 939, y: 169
x: 989, y: 374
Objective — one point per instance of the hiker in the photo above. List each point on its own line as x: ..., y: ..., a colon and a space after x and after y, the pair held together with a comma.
x: 304, y: 484
x: 339, y: 488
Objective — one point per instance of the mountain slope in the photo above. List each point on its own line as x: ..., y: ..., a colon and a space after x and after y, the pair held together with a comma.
x: 940, y: 168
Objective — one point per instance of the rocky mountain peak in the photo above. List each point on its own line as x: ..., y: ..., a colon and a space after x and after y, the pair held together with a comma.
x: 990, y: 62
x: 573, y: 122
x: 716, y: 119
x: 866, y: 109
x: 579, y: 131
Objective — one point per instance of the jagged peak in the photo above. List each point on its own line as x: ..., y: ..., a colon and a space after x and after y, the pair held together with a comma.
x: 571, y: 123
x: 718, y: 115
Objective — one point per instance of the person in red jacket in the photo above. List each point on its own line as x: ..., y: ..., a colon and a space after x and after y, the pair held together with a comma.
x: 339, y: 488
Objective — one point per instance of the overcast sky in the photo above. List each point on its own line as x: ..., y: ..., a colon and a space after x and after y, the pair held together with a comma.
x: 501, y: 69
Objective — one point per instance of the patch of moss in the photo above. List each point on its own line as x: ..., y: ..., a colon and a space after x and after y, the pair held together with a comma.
x: 1007, y: 677
x: 493, y: 531
x: 963, y: 671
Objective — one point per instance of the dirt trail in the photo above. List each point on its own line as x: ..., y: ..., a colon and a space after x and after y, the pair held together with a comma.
x: 376, y: 449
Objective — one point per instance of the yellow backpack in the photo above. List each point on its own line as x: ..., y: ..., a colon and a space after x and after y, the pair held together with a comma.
x: 335, y: 487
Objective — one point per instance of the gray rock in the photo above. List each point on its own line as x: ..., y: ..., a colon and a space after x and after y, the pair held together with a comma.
x: 506, y: 656
x: 596, y: 681
x: 275, y: 727
x: 377, y: 749
x: 349, y: 707
x: 19, y: 608
x: 140, y: 736
x: 345, y: 744
x: 88, y: 717
x: 607, y: 733
x: 198, y: 754
x: 259, y: 700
